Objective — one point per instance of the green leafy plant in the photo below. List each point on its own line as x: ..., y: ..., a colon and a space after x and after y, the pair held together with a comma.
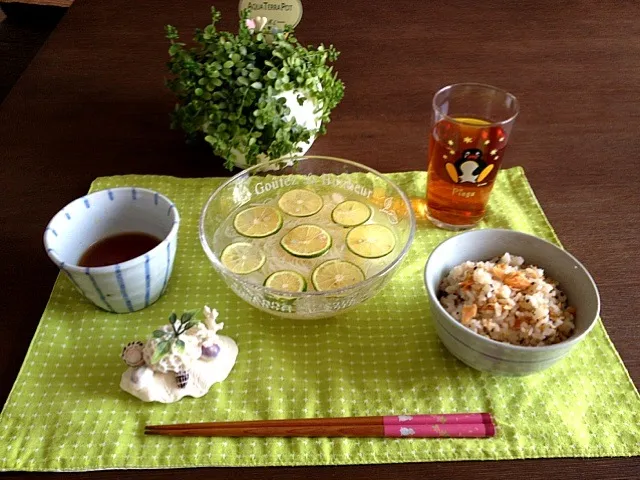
x: 170, y: 339
x: 227, y: 88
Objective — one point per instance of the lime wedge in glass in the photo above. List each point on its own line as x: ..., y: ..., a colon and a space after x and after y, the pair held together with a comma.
x: 334, y: 274
x: 258, y: 222
x: 300, y: 203
x: 242, y: 258
x: 351, y: 213
x: 371, y: 241
x: 306, y: 241
x: 286, y: 280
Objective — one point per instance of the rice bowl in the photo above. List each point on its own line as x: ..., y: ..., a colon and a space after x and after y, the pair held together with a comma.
x: 500, y: 357
x: 508, y: 301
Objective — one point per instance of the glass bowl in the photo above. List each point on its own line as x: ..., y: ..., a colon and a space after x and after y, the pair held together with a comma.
x: 335, y: 181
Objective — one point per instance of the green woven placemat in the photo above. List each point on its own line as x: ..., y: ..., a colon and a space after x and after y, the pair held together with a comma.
x: 66, y: 411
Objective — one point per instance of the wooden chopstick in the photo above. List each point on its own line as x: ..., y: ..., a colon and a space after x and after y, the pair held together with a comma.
x: 479, y: 430
x: 416, y: 426
x: 451, y: 418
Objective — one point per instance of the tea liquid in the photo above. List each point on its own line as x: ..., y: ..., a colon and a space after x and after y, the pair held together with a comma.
x: 464, y: 158
x: 117, y: 249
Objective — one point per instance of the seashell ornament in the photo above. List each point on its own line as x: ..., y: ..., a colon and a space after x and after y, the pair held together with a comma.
x: 183, y: 358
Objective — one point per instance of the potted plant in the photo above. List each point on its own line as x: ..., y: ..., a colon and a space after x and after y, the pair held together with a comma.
x: 253, y: 96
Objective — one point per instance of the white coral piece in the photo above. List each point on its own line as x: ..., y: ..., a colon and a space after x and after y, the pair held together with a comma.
x: 204, y: 335
x: 173, y: 361
x: 210, y: 317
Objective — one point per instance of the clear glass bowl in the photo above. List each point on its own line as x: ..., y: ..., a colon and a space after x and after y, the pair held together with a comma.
x: 335, y: 180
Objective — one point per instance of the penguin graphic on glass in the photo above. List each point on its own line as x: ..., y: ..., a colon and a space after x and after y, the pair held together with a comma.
x: 469, y: 168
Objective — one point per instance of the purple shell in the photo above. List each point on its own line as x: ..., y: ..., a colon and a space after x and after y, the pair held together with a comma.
x: 210, y: 351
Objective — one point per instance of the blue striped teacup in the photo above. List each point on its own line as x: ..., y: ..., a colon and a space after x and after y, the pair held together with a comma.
x: 128, y: 286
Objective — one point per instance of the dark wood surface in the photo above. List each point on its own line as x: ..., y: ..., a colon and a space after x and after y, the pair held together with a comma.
x: 93, y: 103
x: 23, y: 30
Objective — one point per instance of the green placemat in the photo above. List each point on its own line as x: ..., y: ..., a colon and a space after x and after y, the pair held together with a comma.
x: 66, y: 411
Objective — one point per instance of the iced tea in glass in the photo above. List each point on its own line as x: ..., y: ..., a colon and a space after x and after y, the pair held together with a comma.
x: 471, y: 127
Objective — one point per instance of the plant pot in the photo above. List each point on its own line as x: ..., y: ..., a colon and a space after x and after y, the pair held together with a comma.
x: 303, y: 114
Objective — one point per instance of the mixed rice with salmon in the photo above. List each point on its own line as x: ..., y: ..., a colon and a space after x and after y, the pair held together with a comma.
x: 508, y: 301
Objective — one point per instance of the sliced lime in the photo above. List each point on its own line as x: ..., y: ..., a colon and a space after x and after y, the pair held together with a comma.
x: 371, y: 241
x: 334, y: 274
x: 306, y: 241
x: 286, y: 280
x: 242, y: 258
x: 257, y: 222
x: 351, y: 213
x: 300, y: 203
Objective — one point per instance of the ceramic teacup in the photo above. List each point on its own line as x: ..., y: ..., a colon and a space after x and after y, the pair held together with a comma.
x: 133, y: 284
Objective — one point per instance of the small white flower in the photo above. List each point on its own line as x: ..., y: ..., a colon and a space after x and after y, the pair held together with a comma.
x: 256, y: 24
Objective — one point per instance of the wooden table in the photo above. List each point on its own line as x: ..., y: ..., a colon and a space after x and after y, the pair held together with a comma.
x: 53, y: 3
x: 93, y: 103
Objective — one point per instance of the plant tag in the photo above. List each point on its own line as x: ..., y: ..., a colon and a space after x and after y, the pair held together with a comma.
x: 279, y: 13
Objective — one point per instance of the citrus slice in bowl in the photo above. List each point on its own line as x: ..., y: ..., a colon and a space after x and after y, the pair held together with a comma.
x: 371, y: 241
x: 351, y: 213
x: 300, y: 203
x: 286, y: 280
x: 306, y: 241
x: 334, y: 274
x: 242, y: 258
x: 258, y: 222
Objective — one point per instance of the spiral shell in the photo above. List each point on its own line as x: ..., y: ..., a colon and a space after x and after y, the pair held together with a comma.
x: 182, y: 378
x: 132, y: 354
